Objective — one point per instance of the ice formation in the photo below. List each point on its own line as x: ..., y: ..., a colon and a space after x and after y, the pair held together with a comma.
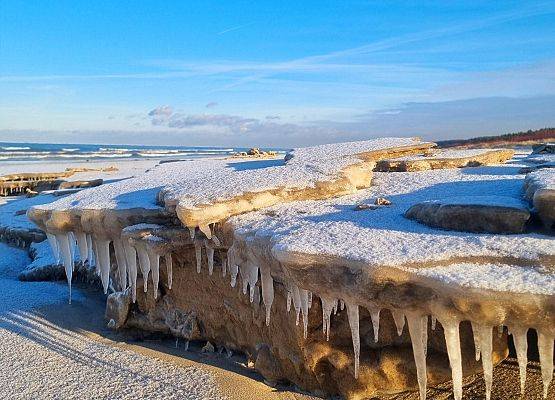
x: 319, y: 243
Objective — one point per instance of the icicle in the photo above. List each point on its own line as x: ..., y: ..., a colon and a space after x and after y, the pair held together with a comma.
x: 103, y: 249
x: 120, y: 261
x: 545, y: 347
x: 434, y: 320
x: 251, y: 277
x: 81, y: 238
x: 267, y: 284
x: 399, y: 319
x: 233, y: 271
x: 95, y: 253
x: 453, y: 343
x: 352, y: 314
x: 296, y: 302
x: 198, y: 254
x: 341, y: 304
x: 375, y: 315
x: 309, y: 300
x: 144, y: 263
x: 154, y: 260
x: 131, y: 262
x: 477, y: 342
x: 64, y: 247
x: 90, y: 255
x: 209, y: 256
x: 484, y: 334
x: 416, y: 334
x: 335, y: 305
x: 54, y: 246
x: 289, y: 298
x: 327, y: 309
x: 304, y: 309
x: 169, y: 269
x: 520, y: 339
x: 192, y: 232
x: 72, y: 243
x: 206, y: 230
x: 216, y: 241
x: 224, y: 265
x: 425, y: 334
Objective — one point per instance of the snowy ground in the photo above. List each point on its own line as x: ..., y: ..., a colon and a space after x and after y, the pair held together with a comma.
x: 41, y: 359
x: 52, y: 350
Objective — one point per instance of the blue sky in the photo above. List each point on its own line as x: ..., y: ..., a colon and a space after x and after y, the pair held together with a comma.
x: 273, y: 73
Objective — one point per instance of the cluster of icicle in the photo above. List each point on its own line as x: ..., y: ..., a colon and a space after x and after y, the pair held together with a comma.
x: 96, y: 252
x: 130, y: 256
x: 417, y: 328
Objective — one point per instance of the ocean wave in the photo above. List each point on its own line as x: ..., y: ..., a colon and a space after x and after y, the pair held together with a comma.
x: 15, y: 148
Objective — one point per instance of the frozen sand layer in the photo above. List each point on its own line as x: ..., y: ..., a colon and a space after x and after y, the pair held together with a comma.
x: 441, y: 159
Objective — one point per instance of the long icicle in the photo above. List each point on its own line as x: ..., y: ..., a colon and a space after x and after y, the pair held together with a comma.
x: 54, y: 247
x: 122, y: 264
x: 304, y: 309
x: 453, y: 343
x: 81, y: 238
x: 64, y: 247
x: 131, y: 261
x: 169, y: 269
x: 477, y: 342
x: 545, y: 347
x: 198, y: 255
x: 154, y: 260
x: 375, y: 316
x: 416, y: 334
x: 267, y: 284
x: 90, y: 255
x: 296, y: 302
x: 252, y: 278
x: 424, y: 322
x: 352, y: 314
x: 103, y: 249
x: 327, y: 309
x: 520, y: 339
x: 209, y: 256
x: 485, y: 337
x: 144, y: 263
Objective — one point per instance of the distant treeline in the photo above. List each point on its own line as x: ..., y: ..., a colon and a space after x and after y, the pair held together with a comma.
x: 545, y: 135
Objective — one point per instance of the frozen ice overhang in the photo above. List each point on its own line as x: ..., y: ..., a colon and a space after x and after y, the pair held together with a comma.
x: 331, y: 247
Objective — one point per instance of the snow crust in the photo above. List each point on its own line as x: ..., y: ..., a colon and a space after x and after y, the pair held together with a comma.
x: 327, y: 229
x: 12, y: 212
x: 543, y: 178
x: 496, y: 277
x: 206, y: 181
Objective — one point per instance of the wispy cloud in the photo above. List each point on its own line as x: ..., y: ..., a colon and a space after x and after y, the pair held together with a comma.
x: 235, y: 28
